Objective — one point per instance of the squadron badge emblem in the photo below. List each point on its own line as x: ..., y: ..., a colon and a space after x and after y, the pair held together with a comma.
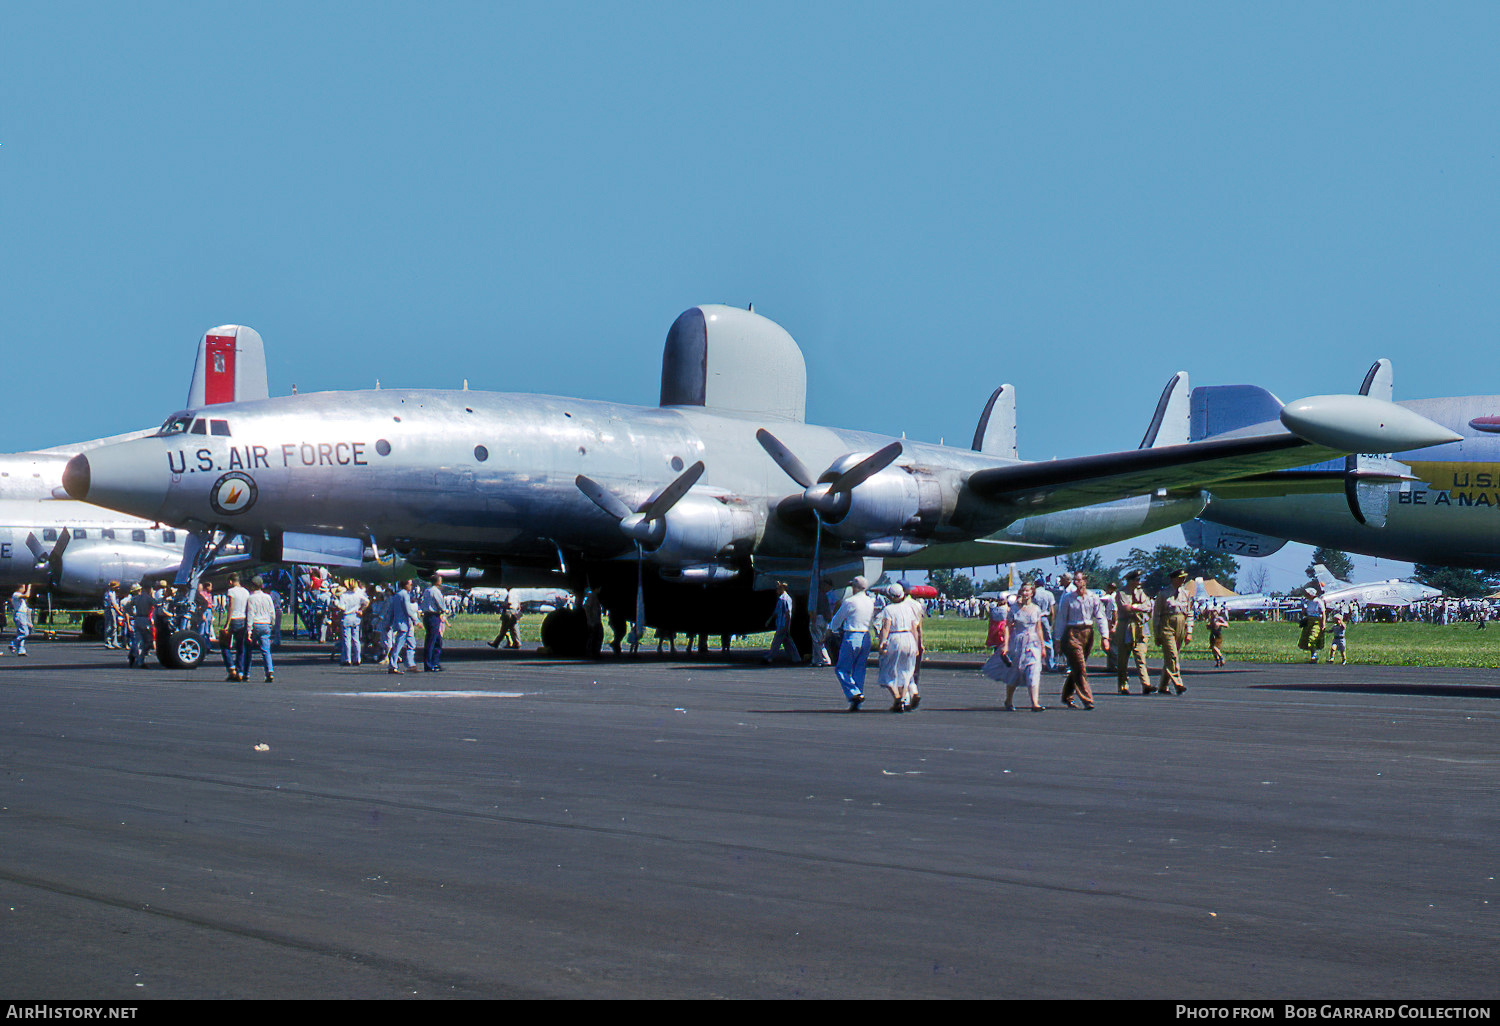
x: 233, y: 493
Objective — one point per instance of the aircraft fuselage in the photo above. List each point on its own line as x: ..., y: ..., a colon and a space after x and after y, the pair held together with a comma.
x: 442, y: 473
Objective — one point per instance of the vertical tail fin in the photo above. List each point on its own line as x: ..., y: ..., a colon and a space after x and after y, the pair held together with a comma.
x: 1379, y: 381
x: 996, y: 433
x: 1172, y: 422
x: 1324, y: 575
x: 231, y: 367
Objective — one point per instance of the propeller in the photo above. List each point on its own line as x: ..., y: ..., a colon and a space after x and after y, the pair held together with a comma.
x: 52, y: 559
x: 646, y: 526
x: 828, y: 499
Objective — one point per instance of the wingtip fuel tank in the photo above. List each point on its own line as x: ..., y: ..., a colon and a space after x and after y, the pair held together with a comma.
x: 1361, y: 423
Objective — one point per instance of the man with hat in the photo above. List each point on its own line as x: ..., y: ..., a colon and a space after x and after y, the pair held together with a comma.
x: 138, y: 609
x: 1132, y: 610
x: 1172, y: 623
x: 851, y: 625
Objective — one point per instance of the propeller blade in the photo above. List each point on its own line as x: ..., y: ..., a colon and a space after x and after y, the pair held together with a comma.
x: 672, y: 493
x: 640, y: 592
x: 602, y: 497
x: 867, y: 468
x: 795, y: 469
x: 38, y: 553
x: 54, y: 561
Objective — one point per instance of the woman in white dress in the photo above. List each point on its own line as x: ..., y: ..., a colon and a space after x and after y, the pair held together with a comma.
x: 900, y: 641
x: 1025, y: 651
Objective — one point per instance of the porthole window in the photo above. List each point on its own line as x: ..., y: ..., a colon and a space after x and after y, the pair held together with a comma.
x: 481, y: 453
x: 383, y: 447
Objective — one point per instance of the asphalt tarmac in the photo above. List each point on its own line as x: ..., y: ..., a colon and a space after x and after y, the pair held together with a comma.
x: 514, y: 827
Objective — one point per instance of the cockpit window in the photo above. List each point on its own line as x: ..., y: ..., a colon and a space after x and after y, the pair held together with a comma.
x: 176, y: 424
x: 200, y: 426
x: 219, y: 427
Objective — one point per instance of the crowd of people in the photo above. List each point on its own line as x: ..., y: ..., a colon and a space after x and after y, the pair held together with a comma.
x: 382, y: 624
x: 1044, y: 626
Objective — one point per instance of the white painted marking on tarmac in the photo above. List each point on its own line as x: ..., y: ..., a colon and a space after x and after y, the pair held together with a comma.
x: 430, y: 694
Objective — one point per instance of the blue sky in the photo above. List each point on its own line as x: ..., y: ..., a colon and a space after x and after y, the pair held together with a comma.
x: 1078, y: 198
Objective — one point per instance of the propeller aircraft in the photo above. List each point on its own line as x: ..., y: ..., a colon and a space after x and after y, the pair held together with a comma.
x: 1436, y: 504
x: 684, y: 514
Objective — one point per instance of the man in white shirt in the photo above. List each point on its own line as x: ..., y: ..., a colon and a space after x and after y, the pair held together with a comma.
x: 259, y: 613
x: 239, y: 634
x: 1080, y: 618
x: 434, y: 617
x: 352, y: 605
x: 851, y: 625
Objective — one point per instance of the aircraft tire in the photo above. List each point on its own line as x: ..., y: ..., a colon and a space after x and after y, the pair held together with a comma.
x: 565, y: 632
x: 93, y: 625
x: 185, y: 650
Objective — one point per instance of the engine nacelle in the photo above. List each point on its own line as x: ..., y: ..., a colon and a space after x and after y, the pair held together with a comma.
x: 895, y: 501
x: 703, y: 528
x: 87, y: 569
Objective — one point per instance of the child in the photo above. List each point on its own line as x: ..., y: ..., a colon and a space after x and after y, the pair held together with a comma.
x: 1338, y: 648
x: 1217, y: 621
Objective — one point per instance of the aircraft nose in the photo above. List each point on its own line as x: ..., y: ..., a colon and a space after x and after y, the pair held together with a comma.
x: 75, y: 479
x: 127, y: 477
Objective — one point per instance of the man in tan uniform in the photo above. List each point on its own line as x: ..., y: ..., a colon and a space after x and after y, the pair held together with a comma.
x: 1172, y: 623
x: 1132, y: 612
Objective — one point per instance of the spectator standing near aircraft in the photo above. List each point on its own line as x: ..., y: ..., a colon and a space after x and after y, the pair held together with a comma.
x: 404, y: 616
x: 1080, y: 616
x: 352, y: 605
x: 239, y: 634
x: 1217, y: 621
x: 1338, y: 648
x: 781, y: 618
x: 1019, y: 663
x: 112, y: 615
x: 434, y: 619
x: 1048, y: 605
x: 900, y: 644
x: 203, y: 609
x: 820, y: 624
x: 1172, y: 624
x: 851, y: 625
x: 20, y: 614
x: 1132, y: 613
x: 259, y: 611
x: 1314, y: 623
x: 510, y: 617
x: 1109, y: 598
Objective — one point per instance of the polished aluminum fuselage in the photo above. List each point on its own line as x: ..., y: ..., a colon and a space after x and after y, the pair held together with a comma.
x: 493, y: 475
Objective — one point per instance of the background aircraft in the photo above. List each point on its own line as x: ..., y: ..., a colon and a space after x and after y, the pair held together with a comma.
x: 1446, y: 512
x: 1394, y: 592
x: 712, y: 491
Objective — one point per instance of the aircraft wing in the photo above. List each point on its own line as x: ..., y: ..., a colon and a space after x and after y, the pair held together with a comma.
x: 1310, y: 430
